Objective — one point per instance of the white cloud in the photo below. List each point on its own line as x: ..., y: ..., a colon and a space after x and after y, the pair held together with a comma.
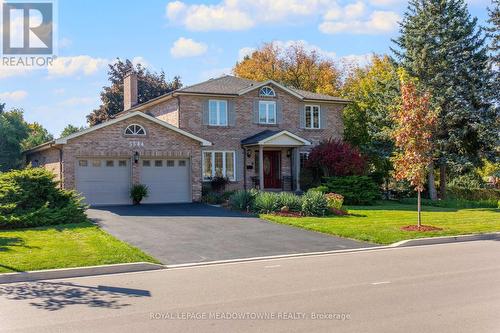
x: 378, y: 22
x: 64, y: 43
x: 13, y: 96
x: 238, y: 14
x: 245, y: 51
x: 307, y: 46
x: 215, y: 73
x: 186, y: 47
x: 357, y: 59
x: 59, y: 91
x: 140, y: 60
x: 83, y: 64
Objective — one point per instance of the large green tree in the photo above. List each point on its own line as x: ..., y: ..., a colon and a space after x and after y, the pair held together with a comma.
x: 441, y: 45
x: 149, y: 85
x: 374, y: 90
x: 37, y: 135
x: 13, y: 130
x: 70, y: 129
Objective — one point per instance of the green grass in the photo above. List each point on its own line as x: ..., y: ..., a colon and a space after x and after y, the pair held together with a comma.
x: 381, y: 224
x: 63, y: 246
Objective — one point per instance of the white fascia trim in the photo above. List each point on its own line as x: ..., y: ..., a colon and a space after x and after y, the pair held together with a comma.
x: 265, y: 83
x: 296, y: 137
x: 64, y: 140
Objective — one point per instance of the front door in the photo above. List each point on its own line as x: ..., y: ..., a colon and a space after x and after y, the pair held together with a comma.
x: 272, y: 167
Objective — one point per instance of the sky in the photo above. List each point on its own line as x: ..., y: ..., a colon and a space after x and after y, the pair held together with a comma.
x: 196, y: 40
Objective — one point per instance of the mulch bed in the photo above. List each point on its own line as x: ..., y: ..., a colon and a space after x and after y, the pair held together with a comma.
x: 421, y: 228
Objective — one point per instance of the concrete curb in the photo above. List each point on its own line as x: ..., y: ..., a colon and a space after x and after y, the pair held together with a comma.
x: 447, y: 239
x: 62, y: 273
x: 404, y: 243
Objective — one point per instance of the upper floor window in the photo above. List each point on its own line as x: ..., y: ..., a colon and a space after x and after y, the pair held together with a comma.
x: 217, y: 112
x: 267, y: 112
x: 312, y: 116
x: 267, y: 92
x: 135, y: 129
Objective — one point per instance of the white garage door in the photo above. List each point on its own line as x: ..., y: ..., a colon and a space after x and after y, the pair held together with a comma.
x: 104, y: 181
x: 168, y: 180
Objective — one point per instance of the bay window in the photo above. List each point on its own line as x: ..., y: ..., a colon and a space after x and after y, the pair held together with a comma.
x: 218, y: 164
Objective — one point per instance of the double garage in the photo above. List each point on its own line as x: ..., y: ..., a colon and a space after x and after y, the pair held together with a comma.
x: 107, y: 181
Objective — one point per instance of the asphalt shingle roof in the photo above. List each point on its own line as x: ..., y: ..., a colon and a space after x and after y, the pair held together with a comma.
x: 232, y: 85
x: 258, y: 137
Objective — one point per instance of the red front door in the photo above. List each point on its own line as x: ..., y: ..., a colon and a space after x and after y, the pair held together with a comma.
x: 272, y: 169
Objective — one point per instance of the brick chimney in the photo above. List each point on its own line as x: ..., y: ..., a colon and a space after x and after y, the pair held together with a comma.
x: 129, y: 90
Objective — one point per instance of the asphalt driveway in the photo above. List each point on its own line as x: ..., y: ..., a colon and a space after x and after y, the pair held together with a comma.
x: 189, y: 233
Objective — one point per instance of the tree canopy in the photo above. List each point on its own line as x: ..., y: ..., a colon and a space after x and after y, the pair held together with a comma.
x: 149, y: 85
x: 293, y: 66
x: 37, y: 135
x: 13, y: 130
x: 70, y: 129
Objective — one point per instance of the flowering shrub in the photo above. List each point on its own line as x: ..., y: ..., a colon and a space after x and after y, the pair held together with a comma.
x: 334, y: 200
x: 336, y: 158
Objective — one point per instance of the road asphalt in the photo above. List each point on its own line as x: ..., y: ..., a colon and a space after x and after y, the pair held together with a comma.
x: 435, y: 288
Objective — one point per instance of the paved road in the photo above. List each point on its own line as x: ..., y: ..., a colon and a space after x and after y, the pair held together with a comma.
x: 438, y: 288
x: 187, y: 233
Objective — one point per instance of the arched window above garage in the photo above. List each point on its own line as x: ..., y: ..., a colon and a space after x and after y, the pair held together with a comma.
x: 135, y: 129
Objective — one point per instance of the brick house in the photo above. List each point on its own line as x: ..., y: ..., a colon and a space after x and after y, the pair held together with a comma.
x: 227, y: 127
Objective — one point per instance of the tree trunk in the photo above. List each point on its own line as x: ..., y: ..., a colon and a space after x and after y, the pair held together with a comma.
x: 442, y: 180
x: 419, y: 222
x: 432, y: 185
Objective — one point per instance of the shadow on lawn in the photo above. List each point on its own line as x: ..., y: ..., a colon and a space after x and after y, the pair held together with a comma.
x: 54, y: 296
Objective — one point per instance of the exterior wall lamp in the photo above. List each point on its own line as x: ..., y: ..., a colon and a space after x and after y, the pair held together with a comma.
x: 136, y: 157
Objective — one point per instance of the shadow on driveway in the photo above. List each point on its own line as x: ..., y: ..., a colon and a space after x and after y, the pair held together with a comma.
x: 190, y: 233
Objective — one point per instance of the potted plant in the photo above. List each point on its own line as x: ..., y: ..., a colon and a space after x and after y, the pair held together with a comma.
x: 138, y: 192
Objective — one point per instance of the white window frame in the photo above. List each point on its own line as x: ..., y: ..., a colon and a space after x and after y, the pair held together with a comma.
x: 218, y: 112
x: 269, y: 89
x: 137, y: 128
x: 267, y: 103
x: 311, y: 110
x: 212, y: 159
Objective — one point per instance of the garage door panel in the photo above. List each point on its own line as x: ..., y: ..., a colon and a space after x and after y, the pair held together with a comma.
x: 103, y: 182
x: 168, y: 181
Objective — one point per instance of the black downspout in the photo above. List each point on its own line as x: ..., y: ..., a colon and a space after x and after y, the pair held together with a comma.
x: 244, y: 169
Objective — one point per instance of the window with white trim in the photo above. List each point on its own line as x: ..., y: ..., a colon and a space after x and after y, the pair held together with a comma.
x: 135, y: 129
x: 267, y: 112
x: 312, y: 114
x: 267, y: 92
x: 217, y: 112
x: 219, y: 164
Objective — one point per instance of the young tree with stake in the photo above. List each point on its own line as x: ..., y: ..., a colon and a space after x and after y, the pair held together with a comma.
x: 415, y: 122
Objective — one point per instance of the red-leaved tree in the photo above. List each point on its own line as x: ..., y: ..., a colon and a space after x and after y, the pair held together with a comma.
x: 336, y: 158
x: 415, y: 122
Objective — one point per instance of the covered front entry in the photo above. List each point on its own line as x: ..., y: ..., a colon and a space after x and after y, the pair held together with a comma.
x: 276, y: 160
x: 168, y: 180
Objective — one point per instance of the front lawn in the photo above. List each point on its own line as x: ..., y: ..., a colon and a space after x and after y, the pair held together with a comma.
x: 63, y: 246
x: 381, y: 224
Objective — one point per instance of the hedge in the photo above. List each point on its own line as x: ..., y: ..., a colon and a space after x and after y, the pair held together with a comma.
x: 31, y: 198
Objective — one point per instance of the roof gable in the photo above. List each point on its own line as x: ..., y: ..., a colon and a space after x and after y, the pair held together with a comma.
x: 64, y: 140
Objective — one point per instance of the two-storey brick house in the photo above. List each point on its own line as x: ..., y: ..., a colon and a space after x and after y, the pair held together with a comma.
x: 256, y: 134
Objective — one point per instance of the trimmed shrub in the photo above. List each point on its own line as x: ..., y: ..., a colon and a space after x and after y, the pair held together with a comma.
x: 336, y: 158
x: 243, y: 200
x: 314, y: 204
x: 138, y: 192
x: 321, y: 188
x: 290, y: 200
x: 267, y: 202
x: 215, y: 198
x: 31, y: 198
x: 357, y: 190
x: 475, y: 194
